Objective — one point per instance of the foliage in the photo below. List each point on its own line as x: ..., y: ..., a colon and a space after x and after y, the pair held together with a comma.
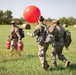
x: 48, y: 20
x: 1, y: 16
x: 29, y: 63
x: 67, y: 21
x: 6, y: 17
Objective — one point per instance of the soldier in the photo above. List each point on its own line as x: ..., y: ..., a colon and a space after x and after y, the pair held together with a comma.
x: 39, y: 31
x: 57, y: 46
x: 14, y: 37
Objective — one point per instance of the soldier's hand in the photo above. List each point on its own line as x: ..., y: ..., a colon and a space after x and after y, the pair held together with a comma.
x: 28, y: 33
x: 20, y: 41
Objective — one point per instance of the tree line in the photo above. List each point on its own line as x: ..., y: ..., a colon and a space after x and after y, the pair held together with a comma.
x: 64, y: 20
x: 6, y: 18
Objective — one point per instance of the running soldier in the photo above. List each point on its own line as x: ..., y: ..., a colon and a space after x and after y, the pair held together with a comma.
x: 39, y: 32
x: 57, y: 47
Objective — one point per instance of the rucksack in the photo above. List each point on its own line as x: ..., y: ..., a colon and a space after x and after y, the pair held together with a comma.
x: 49, y: 38
x: 67, y: 38
x: 46, y: 36
x: 21, y: 32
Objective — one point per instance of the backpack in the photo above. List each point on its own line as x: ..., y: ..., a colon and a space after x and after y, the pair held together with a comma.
x: 21, y: 32
x: 46, y: 36
x: 49, y: 38
x: 40, y: 38
x: 67, y: 38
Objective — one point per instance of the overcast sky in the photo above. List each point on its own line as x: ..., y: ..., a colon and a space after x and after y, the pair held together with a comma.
x: 49, y: 8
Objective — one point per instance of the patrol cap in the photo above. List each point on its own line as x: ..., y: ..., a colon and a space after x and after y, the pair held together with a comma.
x: 41, y: 18
x: 56, y: 21
x: 13, y: 22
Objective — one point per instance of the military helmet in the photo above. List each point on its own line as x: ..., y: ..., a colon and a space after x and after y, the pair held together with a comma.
x: 41, y: 18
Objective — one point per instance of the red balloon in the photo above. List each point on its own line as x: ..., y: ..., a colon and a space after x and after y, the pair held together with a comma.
x: 31, y: 14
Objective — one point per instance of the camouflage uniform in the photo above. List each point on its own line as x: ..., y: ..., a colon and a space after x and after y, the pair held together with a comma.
x: 39, y: 31
x: 57, y: 46
x: 14, y: 37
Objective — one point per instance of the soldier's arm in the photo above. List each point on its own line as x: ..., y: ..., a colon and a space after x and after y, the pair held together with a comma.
x: 10, y: 36
x: 17, y: 32
x: 36, y: 32
x: 52, y: 30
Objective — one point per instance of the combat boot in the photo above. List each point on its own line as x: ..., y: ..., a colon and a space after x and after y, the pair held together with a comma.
x: 45, y: 65
x: 67, y: 63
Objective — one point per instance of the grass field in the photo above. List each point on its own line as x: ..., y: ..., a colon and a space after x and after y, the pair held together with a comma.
x: 29, y: 63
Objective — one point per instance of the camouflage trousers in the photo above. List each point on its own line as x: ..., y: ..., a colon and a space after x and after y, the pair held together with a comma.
x: 57, y: 50
x: 13, y: 47
x: 42, y: 54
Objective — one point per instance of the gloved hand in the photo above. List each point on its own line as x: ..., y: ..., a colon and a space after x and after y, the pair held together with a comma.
x: 28, y: 33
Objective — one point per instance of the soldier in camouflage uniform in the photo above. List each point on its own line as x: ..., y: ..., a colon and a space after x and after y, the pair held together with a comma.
x: 14, y: 37
x: 57, y: 46
x: 39, y: 31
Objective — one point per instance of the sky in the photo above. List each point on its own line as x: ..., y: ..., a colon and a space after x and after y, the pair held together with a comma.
x: 53, y: 9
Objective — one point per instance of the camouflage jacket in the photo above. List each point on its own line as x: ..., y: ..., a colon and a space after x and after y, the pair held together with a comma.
x: 58, y: 32
x: 15, y: 33
x: 39, y: 32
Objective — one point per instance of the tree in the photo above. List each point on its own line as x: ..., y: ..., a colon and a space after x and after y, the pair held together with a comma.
x: 7, y: 17
x: 71, y: 21
x: 48, y: 20
x: 63, y: 20
x: 1, y: 16
x: 21, y: 20
x: 18, y: 21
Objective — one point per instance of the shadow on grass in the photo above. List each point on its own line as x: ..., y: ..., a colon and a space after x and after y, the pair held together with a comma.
x: 30, y: 56
x: 3, y: 68
x: 71, y: 67
x: 11, y: 59
x: 17, y: 58
x: 57, y: 69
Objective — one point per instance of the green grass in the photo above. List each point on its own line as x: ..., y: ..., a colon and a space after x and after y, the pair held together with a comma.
x: 29, y: 63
